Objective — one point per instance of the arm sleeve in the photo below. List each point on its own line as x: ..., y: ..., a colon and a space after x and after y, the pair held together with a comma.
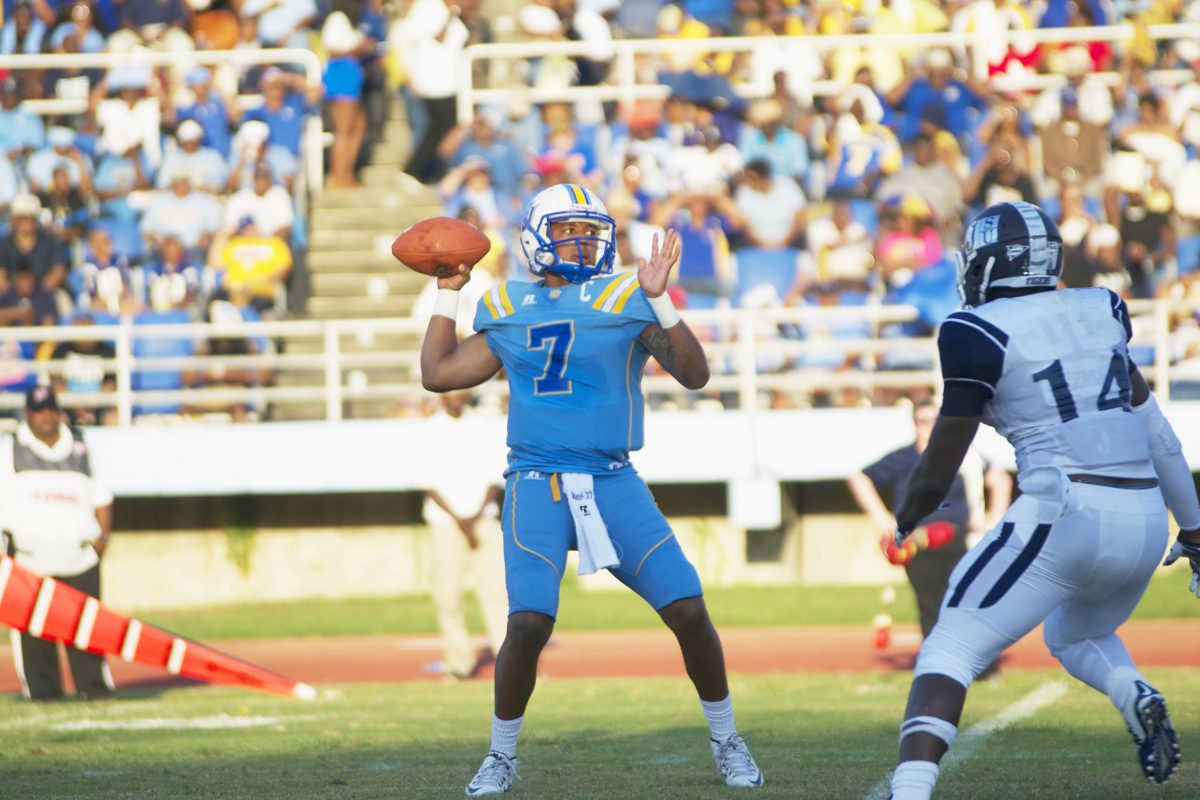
x: 972, y: 356
x: 1174, y: 475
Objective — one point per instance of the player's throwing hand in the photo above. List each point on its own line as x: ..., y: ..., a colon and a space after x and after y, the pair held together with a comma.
x: 653, y: 274
x: 457, y: 280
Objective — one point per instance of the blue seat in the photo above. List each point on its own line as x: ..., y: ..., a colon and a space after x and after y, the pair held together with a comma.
x: 774, y: 267
x: 866, y: 213
x: 160, y: 380
x: 1187, y: 254
x: 125, y: 235
x: 933, y: 291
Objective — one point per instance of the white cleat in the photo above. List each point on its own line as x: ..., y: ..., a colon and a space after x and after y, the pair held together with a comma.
x: 1152, y: 732
x: 735, y: 763
x: 495, y: 776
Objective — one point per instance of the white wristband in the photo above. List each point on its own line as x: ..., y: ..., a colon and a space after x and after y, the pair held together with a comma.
x: 446, y: 304
x: 664, y: 309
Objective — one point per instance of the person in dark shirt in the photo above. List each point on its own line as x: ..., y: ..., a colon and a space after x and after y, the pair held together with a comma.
x: 42, y: 251
x: 25, y: 302
x: 929, y: 569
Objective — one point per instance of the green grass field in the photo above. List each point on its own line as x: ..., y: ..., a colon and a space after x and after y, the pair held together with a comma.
x: 828, y: 736
x: 1167, y: 598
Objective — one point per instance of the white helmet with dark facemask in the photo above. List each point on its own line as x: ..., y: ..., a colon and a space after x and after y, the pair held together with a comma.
x: 568, y: 202
x: 1008, y: 246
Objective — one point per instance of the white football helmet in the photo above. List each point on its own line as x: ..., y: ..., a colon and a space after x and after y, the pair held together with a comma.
x: 568, y: 202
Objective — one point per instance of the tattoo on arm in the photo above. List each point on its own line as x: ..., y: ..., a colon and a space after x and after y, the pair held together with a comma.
x: 658, y: 342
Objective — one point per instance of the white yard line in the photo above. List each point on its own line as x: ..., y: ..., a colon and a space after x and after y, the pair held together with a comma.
x: 973, y: 738
x: 216, y: 722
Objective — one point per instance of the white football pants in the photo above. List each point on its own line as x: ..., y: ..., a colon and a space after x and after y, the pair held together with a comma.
x: 1076, y: 556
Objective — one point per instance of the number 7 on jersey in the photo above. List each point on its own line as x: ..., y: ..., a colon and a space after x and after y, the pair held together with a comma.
x: 556, y: 338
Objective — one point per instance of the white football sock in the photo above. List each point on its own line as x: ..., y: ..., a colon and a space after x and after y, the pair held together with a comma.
x: 504, y: 735
x: 914, y: 780
x: 720, y: 718
x: 1122, y: 691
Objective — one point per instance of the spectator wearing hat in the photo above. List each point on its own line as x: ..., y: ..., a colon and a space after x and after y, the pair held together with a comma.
x: 436, y: 38
x: 183, y: 213
x: 253, y: 148
x: 21, y: 130
x: 207, y: 107
x: 61, y: 152
x: 932, y: 89
x: 266, y: 205
x: 839, y: 251
x: 22, y: 33
x: 908, y: 240
x: 33, y: 246
x: 207, y: 168
x: 287, y: 101
x: 59, y: 516
x: 133, y: 117
x: 482, y: 138
x: 343, y: 86
x: 765, y: 137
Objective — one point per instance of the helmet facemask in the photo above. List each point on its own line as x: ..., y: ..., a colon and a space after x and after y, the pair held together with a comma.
x: 578, y: 257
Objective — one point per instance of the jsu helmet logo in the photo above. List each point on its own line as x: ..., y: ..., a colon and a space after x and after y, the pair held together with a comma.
x: 984, y: 232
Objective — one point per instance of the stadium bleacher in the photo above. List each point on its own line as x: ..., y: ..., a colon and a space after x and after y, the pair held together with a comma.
x: 148, y: 149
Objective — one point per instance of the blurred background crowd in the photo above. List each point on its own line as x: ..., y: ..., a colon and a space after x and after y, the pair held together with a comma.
x: 173, y: 195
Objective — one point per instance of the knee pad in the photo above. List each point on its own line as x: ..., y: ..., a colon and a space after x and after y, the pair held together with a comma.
x: 931, y: 725
x: 944, y: 655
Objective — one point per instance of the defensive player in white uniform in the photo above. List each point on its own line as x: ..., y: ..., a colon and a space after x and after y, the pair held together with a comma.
x: 1048, y: 368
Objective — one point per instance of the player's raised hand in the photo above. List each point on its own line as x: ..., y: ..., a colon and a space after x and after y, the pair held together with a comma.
x: 457, y: 279
x: 653, y: 274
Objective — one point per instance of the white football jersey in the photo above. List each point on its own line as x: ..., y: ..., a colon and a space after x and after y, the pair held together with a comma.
x: 1055, y: 368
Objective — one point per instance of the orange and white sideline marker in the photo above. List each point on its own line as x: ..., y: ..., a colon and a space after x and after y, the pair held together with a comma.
x: 50, y: 610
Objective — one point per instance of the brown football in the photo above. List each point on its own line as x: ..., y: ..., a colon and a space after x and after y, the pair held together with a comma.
x: 437, y: 246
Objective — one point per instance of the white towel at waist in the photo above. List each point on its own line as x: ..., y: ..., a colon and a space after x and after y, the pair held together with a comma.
x: 596, y: 550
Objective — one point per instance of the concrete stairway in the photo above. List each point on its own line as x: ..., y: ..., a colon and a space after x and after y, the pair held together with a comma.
x: 352, y: 274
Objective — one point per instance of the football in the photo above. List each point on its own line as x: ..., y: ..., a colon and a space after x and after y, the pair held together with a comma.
x: 437, y: 246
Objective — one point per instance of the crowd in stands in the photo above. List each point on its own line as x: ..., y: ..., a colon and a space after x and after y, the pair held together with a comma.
x: 168, y: 193
x: 157, y: 192
x: 811, y: 197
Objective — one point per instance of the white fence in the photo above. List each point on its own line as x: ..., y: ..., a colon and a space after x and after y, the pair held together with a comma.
x: 312, y: 144
x: 329, y: 365
x: 626, y: 84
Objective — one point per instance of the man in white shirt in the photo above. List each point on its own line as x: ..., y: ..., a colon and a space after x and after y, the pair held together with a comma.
x: 267, y: 206
x: 435, y: 38
x: 462, y: 512
x: 58, y: 518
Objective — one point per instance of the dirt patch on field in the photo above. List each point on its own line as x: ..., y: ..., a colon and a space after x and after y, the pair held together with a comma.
x: 641, y: 653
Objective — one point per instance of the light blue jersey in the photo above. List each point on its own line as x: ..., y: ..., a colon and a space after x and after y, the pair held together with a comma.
x: 574, y: 367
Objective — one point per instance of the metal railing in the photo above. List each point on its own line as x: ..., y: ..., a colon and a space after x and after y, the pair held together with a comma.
x: 328, y: 366
x: 623, y: 84
x: 312, y: 144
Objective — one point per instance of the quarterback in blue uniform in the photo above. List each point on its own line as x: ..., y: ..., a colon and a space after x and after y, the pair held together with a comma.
x: 573, y: 346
